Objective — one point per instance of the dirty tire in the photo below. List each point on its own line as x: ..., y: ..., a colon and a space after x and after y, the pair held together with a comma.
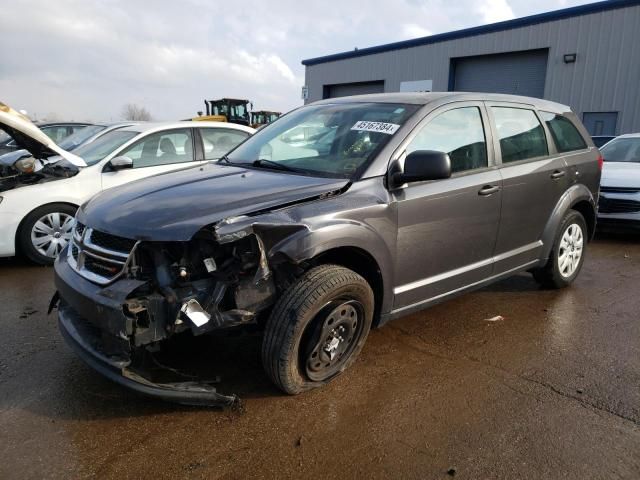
x: 550, y: 275
x: 299, y: 311
x: 23, y: 237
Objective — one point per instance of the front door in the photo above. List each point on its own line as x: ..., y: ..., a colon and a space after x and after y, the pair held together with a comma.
x: 156, y: 153
x: 447, y: 228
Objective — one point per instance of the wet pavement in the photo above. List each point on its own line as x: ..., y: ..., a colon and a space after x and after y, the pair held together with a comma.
x: 551, y: 390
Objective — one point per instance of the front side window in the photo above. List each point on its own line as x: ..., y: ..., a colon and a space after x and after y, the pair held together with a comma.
x: 161, y: 148
x: 334, y: 140
x: 564, y: 133
x: 521, y: 134
x: 218, y: 141
x: 460, y: 134
x: 622, y: 150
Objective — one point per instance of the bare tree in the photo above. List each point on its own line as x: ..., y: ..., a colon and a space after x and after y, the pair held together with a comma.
x: 134, y: 112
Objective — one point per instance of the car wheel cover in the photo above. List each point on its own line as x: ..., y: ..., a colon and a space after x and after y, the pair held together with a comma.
x: 570, y: 250
x: 51, y: 233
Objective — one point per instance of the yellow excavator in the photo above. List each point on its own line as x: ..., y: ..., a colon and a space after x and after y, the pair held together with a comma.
x: 235, y: 110
x: 231, y: 110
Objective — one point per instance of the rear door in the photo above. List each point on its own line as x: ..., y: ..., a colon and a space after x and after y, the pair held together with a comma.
x: 447, y: 228
x: 156, y: 153
x: 534, y: 177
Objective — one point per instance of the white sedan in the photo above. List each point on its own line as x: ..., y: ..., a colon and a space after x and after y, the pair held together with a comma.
x: 38, y: 205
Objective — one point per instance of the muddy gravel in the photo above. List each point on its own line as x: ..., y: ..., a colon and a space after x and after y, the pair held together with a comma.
x: 507, y: 382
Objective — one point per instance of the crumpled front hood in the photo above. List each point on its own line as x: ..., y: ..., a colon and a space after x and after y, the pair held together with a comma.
x: 175, y: 205
x: 620, y: 174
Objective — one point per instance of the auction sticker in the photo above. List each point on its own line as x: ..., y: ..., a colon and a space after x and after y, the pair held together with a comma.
x: 381, y: 127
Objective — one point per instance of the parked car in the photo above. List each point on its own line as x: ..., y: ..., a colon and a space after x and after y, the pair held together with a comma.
x: 421, y: 197
x: 37, y: 207
x: 81, y: 137
x: 600, y: 140
x: 56, y: 131
x: 620, y: 184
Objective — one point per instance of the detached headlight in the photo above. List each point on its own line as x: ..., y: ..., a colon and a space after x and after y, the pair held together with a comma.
x: 26, y: 165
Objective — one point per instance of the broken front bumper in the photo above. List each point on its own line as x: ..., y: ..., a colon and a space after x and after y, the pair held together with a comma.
x: 92, y: 321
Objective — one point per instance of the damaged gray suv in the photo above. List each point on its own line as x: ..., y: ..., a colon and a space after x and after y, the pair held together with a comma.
x: 336, y: 218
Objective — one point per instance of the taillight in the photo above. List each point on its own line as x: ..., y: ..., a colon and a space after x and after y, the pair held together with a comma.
x: 600, y: 162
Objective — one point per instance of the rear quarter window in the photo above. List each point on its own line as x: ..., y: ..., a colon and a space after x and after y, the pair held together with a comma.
x: 565, y: 135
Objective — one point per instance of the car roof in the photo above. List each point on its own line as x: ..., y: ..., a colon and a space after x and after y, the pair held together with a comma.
x: 629, y: 135
x: 157, y: 126
x: 50, y: 124
x: 421, y: 98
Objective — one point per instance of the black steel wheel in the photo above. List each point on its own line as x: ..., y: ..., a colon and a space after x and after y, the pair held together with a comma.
x: 317, y: 328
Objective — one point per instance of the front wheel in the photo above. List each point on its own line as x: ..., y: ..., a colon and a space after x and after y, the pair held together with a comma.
x: 46, y: 231
x: 317, y: 328
x: 567, y: 254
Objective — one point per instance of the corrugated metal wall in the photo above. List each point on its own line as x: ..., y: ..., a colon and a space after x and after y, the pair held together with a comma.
x: 605, y: 77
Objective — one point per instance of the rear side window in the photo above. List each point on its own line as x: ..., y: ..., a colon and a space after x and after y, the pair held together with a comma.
x: 218, y: 141
x: 564, y: 132
x: 521, y: 134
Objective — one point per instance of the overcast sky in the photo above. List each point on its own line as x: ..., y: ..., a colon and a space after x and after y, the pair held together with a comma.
x: 84, y: 60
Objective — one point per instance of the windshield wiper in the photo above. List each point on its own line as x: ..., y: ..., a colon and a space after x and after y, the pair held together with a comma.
x: 225, y: 159
x: 277, y: 165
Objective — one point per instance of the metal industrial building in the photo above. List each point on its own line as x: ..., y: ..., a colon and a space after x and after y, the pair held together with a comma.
x: 587, y: 57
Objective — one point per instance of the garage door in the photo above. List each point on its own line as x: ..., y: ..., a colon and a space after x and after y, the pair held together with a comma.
x: 346, y: 89
x: 519, y: 73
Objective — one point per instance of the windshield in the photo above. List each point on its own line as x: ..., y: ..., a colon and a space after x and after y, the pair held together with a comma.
x: 622, y: 150
x: 81, y: 136
x: 95, y: 151
x: 324, y: 140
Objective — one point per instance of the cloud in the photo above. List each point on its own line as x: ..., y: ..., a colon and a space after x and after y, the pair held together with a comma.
x: 85, y: 60
x: 411, y: 30
x: 495, y: 11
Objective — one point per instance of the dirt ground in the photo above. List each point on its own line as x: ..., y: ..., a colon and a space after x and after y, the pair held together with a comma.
x: 550, y: 391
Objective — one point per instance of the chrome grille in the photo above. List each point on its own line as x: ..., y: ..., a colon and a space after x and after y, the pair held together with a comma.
x: 99, y: 256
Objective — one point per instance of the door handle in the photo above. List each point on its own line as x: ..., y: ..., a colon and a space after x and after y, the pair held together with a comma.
x: 557, y: 174
x: 488, y: 190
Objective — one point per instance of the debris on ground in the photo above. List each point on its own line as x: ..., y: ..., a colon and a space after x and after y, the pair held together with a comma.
x: 497, y: 318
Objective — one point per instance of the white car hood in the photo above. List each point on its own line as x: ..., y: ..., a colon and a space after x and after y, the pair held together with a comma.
x: 31, y: 138
x: 620, y: 174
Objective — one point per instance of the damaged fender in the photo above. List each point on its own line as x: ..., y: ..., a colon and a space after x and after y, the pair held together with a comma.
x: 283, y: 237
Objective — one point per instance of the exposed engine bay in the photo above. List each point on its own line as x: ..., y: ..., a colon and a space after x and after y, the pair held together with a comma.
x: 29, y: 171
x: 199, y: 285
x: 154, y: 291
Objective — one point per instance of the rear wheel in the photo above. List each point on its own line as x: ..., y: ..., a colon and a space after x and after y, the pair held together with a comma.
x: 317, y: 328
x: 46, y: 231
x: 567, y: 254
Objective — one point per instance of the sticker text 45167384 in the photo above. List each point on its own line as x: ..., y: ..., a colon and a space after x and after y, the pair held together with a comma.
x: 380, y: 127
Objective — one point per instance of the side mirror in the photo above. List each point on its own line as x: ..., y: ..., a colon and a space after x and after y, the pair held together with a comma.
x: 120, y: 163
x: 423, y: 165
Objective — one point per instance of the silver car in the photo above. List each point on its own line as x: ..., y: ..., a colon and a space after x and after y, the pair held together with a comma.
x: 620, y: 184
